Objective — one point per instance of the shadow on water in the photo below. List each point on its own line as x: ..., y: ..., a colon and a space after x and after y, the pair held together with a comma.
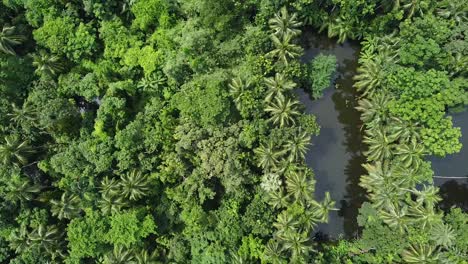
x: 336, y: 154
x: 454, y: 191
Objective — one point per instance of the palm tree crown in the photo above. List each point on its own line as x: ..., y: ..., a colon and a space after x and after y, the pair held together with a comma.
x: 8, y: 39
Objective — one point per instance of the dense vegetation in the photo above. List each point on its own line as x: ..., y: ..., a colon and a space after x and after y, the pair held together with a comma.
x: 166, y: 131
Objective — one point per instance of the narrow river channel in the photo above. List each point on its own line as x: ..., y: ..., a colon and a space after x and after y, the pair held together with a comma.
x: 336, y: 154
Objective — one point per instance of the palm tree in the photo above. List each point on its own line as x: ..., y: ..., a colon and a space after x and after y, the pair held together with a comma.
x: 425, y: 216
x: 119, y: 255
x: 267, y: 156
x: 68, y: 207
x: 297, y: 146
x: 453, y: 9
x: 277, y: 86
x: 409, y: 155
x: 14, y: 151
x: 109, y: 186
x: 395, y: 217
x: 20, y: 189
x: 420, y: 253
x: 414, y: 6
x: 284, y: 49
x: 134, y: 185
x: 19, y: 240
x: 285, y: 24
x: 443, y: 235
x: 277, y: 199
x: 283, y: 111
x: 381, y: 144
x: 374, y: 111
x: 340, y: 27
x: 237, y: 89
x: 8, y: 39
x: 404, y: 130
x: 273, y: 252
x: 428, y: 195
x: 152, y: 82
x: 369, y: 76
x: 296, y: 243
x: 322, y: 209
x: 110, y: 204
x: 143, y: 257
x: 46, y: 64
x: 285, y: 223
x: 21, y: 115
x: 47, y: 238
x: 299, y: 187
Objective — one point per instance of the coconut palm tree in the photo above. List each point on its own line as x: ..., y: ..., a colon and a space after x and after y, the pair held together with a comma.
x: 152, y: 82
x: 283, y: 111
x: 47, y: 238
x: 381, y: 144
x: 425, y: 216
x: 409, y: 155
x: 67, y: 207
x: 13, y: 151
x: 420, y: 253
x: 21, y: 115
x: 404, y: 130
x: 119, y: 255
x: 453, y: 9
x: 109, y: 186
x: 285, y: 223
x: 395, y: 216
x: 369, y: 76
x: 273, y: 252
x: 413, y: 7
x: 299, y: 187
x: 46, y: 64
x: 339, y: 27
x: 8, y: 39
x: 284, y: 49
x: 297, y: 146
x: 374, y: 111
x: 143, y: 257
x: 19, y: 189
x: 296, y: 243
x: 237, y: 89
x: 322, y: 209
x: 277, y: 86
x: 19, y: 240
x: 110, y: 204
x: 267, y: 156
x: 134, y: 185
x: 277, y: 199
x: 443, y: 235
x: 285, y: 24
x: 429, y: 195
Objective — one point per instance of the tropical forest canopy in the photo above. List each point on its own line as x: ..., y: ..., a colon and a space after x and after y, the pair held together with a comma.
x: 168, y: 131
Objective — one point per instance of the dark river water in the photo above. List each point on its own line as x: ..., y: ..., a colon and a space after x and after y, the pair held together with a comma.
x: 336, y: 154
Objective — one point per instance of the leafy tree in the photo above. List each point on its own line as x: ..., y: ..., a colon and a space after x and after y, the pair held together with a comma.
x: 321, y: 71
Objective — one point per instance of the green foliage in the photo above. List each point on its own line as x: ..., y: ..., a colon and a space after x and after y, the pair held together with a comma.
x: 320, y: 72
x: 127, y: 228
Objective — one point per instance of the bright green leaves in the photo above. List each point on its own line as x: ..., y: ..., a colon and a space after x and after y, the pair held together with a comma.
x: 63, y: 36
x: 127, y: 228
x: 321, y: 72
x: 149, y: 13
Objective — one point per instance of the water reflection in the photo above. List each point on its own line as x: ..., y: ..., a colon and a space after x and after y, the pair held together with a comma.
x: 336, y: 155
